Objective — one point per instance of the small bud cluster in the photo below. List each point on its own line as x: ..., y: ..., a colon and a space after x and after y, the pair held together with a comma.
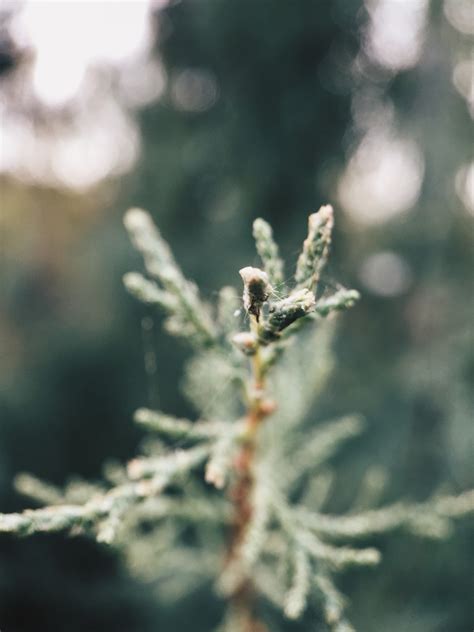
x: 284, y: 313
x: 301, y: 302
x: 246, y: 341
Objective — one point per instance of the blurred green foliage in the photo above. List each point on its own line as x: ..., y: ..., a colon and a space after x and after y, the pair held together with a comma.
x: 273, y: 142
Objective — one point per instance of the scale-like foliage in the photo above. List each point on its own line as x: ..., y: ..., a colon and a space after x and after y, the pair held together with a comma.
x: 248, y: 480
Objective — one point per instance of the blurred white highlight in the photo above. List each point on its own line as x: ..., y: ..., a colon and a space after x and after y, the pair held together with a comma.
x: 76, y: 156
x: 395, y: 35
x: 383, y: 178
x: 194, y: 90
x: 386, y: 274
x: 464, y: 183
x: 463, y: 80
x: 87, y: 62
x: 69, y: 36
x: 460, y: 13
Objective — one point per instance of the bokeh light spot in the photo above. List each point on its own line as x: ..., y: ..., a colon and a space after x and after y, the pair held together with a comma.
x: 383, y: 178
x: 385, y: 273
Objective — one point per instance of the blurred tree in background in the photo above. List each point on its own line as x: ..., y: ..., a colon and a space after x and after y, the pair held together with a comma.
x: 253, y: 108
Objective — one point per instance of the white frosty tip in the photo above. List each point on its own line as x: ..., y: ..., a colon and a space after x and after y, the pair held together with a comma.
x: 214, y: 476
x: 323, y: 216
x: 137, y: 219
x: 252, y: 275
x: 133, y: 280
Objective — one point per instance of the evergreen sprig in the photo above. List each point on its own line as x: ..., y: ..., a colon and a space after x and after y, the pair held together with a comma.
x: 264, y: 532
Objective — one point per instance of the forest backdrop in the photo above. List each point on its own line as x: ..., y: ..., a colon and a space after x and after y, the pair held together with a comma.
x: 222, y: 112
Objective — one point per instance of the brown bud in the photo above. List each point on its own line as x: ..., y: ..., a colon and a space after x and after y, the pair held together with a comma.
x: 256, y: 289
x: 246, y: 342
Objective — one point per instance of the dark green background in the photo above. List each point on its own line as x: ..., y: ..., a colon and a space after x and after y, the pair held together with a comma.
x: 273, y: 144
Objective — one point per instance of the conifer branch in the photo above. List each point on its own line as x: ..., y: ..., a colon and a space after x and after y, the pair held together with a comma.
x: 432, y: 518
x: 333, y: 604
x: 147, y: 479
x: 255, y: 448
x: 297, y: 597
x: 176, y: 429
x: 189, y: 316
x: 315, y: 251
x: 268, y: 251
x: 341, y: 300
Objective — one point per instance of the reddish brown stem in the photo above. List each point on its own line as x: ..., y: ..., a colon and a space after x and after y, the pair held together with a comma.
x: 243, y: 598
